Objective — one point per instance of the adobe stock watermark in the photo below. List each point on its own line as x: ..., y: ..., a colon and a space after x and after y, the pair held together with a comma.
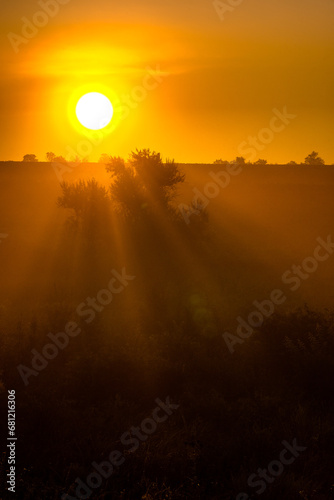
x: 30, y: 28
x: 278, y: 123
x: 263, y: 477
x: 131, y: 440
x: 127, y: 102
x: 87, y: 310
x: 151, y: 81
x: 211, y: 190
x: 225, y: 7
x: 76, y: 156
x: 294, y: 277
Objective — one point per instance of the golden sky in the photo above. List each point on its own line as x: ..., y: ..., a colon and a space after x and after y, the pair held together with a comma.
x: 186, y: 79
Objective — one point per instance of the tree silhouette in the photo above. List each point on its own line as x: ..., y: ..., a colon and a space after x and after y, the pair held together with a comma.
x: 240, y: 160
x: 50, y: 156
x: 87, y: 199
x: 59, y: 159
x: 141, y: 191
x: 126, y: 191
x: 221, y: 162
x: 261, y: 162
x: 158, y: 179
x: 145, y: 183
x: 30, y: 158
x: 314, y: 159
x: 76, y: 159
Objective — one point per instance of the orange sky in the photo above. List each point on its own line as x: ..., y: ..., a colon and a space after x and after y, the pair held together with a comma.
x: 215, y: 85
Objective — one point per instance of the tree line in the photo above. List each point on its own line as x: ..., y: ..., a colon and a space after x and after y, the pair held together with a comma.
x: 311, y: 159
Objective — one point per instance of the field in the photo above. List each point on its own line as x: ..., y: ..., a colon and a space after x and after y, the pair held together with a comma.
x: 170, y: 331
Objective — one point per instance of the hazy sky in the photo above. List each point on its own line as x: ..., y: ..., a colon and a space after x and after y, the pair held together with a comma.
x: 217, y: 77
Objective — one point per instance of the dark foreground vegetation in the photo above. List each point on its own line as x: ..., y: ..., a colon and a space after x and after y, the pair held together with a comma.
x: 159, y: 337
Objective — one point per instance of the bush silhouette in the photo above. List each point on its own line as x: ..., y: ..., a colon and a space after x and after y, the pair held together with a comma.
x: 30, y: 158
x: 50, y: 156
x: 314, y: 159
x: 145, y: 184
x: 87, y: 199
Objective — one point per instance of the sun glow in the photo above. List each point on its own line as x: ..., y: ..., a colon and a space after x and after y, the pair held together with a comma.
x: 94, y: 111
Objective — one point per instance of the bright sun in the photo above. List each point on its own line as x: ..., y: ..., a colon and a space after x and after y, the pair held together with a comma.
x: 94, y: 111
